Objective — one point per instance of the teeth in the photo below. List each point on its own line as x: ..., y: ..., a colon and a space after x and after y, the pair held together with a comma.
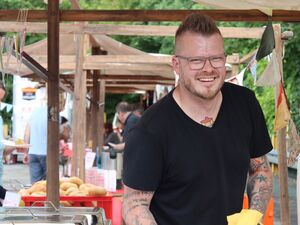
x: 207, y: 79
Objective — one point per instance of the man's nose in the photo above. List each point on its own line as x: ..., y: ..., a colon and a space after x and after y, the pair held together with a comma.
x: 207, y: 66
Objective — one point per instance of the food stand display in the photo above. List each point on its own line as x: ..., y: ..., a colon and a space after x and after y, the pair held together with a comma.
x: 50, y: 214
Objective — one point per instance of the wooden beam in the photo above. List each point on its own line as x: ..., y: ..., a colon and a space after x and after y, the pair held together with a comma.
x: 281, y: 138
x: 53, y: 104
x: 253, y: 15
x: 136, y: 30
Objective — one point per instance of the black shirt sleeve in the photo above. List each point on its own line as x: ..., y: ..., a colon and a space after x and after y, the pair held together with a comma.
x: 143, y: 161
x: 260, y: 140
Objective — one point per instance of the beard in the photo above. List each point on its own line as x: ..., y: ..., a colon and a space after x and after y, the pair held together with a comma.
x: 201, y: 91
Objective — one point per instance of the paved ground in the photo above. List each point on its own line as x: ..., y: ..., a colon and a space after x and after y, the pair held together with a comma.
x: 19, y: 173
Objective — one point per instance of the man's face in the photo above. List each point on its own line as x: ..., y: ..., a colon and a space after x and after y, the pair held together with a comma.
x: 2, y: 93
x: 121, y: 117
x: 204, y: 83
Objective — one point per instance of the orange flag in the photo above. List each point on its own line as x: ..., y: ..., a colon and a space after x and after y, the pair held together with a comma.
x: 282, y: 115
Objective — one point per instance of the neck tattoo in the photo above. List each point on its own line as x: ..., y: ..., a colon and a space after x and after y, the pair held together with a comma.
x: 207, y: 121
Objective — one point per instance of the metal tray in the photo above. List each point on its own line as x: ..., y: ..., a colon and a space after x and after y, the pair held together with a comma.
x: 95, y: 216
x: 50, y: 219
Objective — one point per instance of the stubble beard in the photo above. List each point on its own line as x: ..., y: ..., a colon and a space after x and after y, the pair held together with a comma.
x: 207, y: 94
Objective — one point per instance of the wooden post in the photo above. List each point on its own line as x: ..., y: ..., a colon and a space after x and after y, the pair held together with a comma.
x: 235, y: 66
x: 79, y: 112
x: 95, y: 107
x: 53, y: 104
x: 281, y: 138
x: 101, y: 115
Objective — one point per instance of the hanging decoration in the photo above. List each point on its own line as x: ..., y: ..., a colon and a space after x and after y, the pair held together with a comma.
x: 271, y: 76
x: 20, y: 37
x: 282, y: 114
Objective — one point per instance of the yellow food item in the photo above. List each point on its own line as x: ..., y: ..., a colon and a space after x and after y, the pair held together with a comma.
x: 23, y: 192
x: 93, y: 190
x: 19, y: 141
x: 66, y: 185
x: 71, y: 189
x: 78, y: 193
x: 62, y: 192
x: 38, y: 186
x: 65, y: 203
x: 76, y: 180
x: 22, y: 203
x: 38, y: 193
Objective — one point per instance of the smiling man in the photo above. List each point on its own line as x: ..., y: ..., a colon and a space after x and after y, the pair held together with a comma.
x: 188, y: 159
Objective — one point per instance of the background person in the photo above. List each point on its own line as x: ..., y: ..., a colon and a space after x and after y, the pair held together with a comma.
x: 128, y: 119
x: 187, y: 160
x: 4, y: 150
x: 36, y: 136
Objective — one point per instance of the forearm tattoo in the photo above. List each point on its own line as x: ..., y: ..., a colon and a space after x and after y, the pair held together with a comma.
x: 260, y: 184
x: 136, y: 207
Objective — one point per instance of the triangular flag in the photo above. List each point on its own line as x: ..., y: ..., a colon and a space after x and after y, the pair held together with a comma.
x: 253, y: 66
x: 282, y: 114
x: 267, y: 43
x: 237, y: 79
x: 271, y: 75
x: 2, y: 106
x: 8, y: 107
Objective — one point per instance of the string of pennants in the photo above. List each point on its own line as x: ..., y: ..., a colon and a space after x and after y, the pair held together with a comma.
x: 13, y: 45
x: 270, y: 77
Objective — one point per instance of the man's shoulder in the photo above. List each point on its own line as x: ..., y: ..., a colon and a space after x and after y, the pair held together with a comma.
x: 236, y: 90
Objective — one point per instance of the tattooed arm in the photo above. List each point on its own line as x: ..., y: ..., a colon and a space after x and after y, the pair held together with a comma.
x: 260, y: 184
x: 136, y: 207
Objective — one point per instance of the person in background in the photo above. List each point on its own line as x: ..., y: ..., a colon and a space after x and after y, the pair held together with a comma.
x: 138, y: 110
x: 36, y: 136
x: 128, y: 119
x: 188, y: 158
x: 4, y: 150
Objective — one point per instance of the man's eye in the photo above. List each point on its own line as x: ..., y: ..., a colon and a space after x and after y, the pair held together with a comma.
x: 216, y: 59
x: 197, y: 61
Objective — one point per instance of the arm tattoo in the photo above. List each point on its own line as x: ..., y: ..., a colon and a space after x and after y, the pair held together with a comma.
x: 136, y: 207
x: 260, y: 184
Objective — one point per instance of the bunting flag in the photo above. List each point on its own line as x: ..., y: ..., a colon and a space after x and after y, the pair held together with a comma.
x: 271, y: 76
x: 252, y: 65
x: 237, y: 79
x: 267, y: 43
x: 294, y: 143
x: 282, y: 114
x: 7, y: 106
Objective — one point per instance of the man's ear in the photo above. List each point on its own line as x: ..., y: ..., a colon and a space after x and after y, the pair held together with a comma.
x: 175, y: 64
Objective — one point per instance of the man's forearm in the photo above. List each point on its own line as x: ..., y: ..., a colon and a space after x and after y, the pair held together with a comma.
x: 136, y: 208
x: 260, y: 184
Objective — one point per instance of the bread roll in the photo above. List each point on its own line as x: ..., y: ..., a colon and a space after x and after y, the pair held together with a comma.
x: 71, y: 189
x: 93, y: 190
x: 38, y: 193
x: 76, y: 180
x: 66, y: 185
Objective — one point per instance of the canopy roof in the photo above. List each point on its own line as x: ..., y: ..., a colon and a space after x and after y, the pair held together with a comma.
x: 265, y: 6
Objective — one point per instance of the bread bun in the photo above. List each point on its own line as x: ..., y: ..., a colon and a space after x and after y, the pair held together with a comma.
x: 71, y: 189
x: 76, y: 180
x: 65, y: 203
x: 66, y: 185
x: 38, y: 193
x: 39, y: 186
x: 23, y: 192
x: 93, y: 190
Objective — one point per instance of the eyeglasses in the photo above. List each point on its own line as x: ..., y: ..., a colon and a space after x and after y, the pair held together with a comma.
x: 198, y: 63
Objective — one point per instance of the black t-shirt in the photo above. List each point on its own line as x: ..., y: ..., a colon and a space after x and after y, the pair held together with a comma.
x: 198, y: 173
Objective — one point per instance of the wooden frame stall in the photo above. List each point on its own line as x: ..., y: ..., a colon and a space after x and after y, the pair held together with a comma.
x: 130, y: 57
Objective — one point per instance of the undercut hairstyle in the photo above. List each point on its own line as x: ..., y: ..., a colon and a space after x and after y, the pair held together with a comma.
x: 123, y: 107
x: 199, y: 24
